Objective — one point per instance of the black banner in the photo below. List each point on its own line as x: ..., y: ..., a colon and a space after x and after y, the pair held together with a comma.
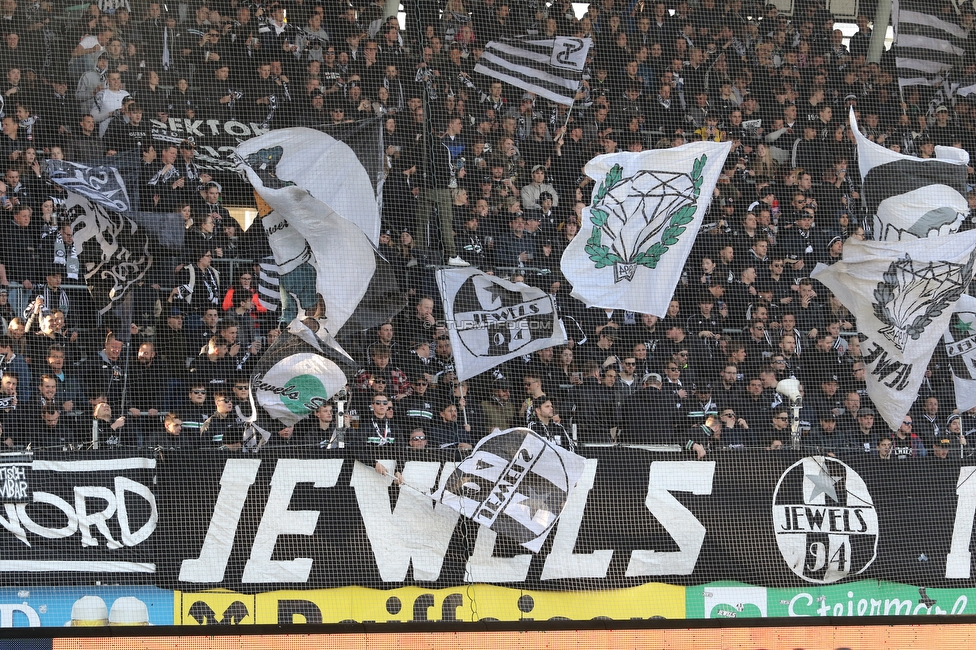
x: 89, y: 516
x: 305, y: 518
x: 759, y: 517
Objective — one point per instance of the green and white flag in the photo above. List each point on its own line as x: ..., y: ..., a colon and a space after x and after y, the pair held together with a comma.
x: 300, y: 372
x: 640, y: 227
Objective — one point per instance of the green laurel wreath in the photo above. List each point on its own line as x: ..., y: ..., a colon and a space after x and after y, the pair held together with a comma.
x: 601, y: 254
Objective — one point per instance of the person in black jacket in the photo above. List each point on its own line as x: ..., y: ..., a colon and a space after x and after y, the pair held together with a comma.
x: 223, y: 428
x: 647, y: 415
x: 442, y: 176
x: 543, y: 424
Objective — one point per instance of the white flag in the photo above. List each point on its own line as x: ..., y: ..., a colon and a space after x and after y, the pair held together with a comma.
x: 909, y: 197
x: 902, y: 295
x: 640, y: 227
x: 326, y: 168
x: 514, y: 482
x: 960, y: 344
x: 304, y: 229
x: 491, y: 320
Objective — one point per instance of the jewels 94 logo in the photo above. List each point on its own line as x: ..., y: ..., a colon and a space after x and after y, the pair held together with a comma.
x: 824, y: 519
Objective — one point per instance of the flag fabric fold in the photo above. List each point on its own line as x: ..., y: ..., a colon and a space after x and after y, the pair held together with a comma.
x: 550, y: 68
x: 298, y: 373
x: 909, y: 197
x: 641, y: 225
x: 491, y: 320
x: 325, y: 167
x: 902, y: 295
x: 927, y: 44
x: 960, y: 346
x: 102, y: 184
x: 303, y: 230
x: 114, y: 253
x: 515, y: 483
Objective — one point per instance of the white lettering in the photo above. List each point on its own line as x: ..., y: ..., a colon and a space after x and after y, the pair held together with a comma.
x: 959, y: 607
x: 70, y: 528
x: 482, y: 567
x: 237, y: 478
x: 279, y: 520
x: 193, y: 127
x: 237, y: 129
x: 562, y: 562
x: 959, y: 559
x: 7, y: 614
x: 687, y: 532
x: 895, y: 605
x: 800, y: 596
x: 123, y: 485
x: 12, y: 523
x: 416, y: 529
x: 98, y: 519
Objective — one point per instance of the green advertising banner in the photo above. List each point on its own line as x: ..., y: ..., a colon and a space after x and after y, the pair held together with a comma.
x: 863, y: 598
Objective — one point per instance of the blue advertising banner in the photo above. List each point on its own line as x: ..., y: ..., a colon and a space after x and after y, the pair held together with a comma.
x: 85, y: 606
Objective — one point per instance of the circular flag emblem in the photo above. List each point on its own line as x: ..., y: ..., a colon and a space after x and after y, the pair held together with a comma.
x: 297, y: 385
x: 824, y: 519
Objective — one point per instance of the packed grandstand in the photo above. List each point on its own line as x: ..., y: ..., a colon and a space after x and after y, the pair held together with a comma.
x: 478, y: 173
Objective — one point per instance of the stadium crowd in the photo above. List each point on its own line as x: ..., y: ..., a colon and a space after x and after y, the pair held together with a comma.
x: 502, y: 175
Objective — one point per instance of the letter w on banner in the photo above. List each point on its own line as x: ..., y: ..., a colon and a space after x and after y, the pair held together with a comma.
x: 491, y: 320
x: 514, y: 483
x: 902, y: 295
x: 640, y: 227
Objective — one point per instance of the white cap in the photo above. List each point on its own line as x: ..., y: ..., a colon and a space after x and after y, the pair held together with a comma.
x: 128, y: 610
x: 89, y: 611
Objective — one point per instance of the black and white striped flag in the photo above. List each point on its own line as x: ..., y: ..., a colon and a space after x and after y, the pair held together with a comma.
x: 268, y: 292
x: 928, y: 43
x: 550, y: 68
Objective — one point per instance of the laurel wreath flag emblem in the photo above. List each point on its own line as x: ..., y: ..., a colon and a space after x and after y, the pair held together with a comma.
x: 632, y: 211
x: 647, y: 208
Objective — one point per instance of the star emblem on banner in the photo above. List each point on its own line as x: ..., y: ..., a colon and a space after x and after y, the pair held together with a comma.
x: 823, y: 483
x: 963, y: 326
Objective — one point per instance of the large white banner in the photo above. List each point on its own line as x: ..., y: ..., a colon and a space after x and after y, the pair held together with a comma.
x: 902, y: 295
x: 640, y: 227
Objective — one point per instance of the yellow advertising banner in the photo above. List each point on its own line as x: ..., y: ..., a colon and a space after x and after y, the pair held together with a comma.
x: 471, y: 603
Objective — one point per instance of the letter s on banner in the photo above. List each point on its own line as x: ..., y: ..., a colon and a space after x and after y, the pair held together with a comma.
x: 684, y: 527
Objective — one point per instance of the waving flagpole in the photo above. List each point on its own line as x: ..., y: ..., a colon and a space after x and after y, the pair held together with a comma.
x: 550, y: 68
